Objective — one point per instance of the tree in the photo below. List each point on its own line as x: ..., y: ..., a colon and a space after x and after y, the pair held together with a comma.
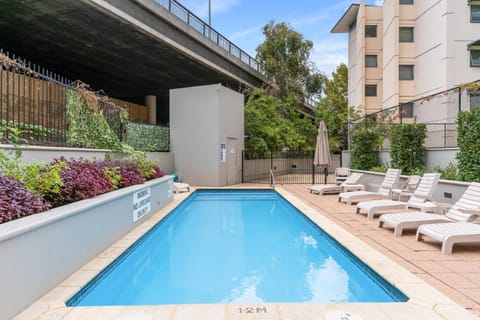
x: 333, y: 106
x: 271, y: 123
x: 284, y: 58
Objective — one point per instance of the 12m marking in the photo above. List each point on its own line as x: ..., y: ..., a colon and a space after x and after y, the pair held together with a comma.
x: 252, y: 310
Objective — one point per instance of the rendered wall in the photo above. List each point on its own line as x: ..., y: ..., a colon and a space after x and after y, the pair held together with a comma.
x: 39, y: 251
x: 201, y: 119
x: 32, y: 154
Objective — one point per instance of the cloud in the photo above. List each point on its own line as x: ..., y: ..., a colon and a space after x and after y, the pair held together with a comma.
x: 328, y: 54
x: 246, y: 32
x: 308, y: 21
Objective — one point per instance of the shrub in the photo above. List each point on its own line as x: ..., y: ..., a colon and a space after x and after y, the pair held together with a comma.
x: 82, y: 179
x: 146, y: 137
x: 408, y: 147
x: 42, y: 179
x: 126, y: 173
x: 469, y: 144
x: 365, y: 149
x: 147, y: 168
x: 450, y: 172
x: 17, y: 202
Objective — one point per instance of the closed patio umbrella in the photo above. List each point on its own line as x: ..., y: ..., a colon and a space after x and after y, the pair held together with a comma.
x: 322, y: 151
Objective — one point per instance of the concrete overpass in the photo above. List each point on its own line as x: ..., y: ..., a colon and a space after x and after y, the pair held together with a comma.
x: 128, y: 48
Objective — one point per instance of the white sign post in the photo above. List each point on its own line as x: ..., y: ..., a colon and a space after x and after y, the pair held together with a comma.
x: 141, y: 204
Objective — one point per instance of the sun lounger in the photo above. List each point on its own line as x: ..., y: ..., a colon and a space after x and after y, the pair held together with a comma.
x: 391, y: 178
x: 407, y: 189
x: 450, y: 233
x: 464, y: 210
x: 419, y: 200
x: 351, y: 182
x: 181, y: 187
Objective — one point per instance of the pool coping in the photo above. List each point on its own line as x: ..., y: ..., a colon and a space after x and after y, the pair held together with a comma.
x: 425, y: 302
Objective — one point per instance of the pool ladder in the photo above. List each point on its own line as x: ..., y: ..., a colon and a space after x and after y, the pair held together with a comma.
x: 272, y: 179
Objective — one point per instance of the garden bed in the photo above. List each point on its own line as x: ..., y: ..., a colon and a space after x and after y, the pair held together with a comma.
x: 39, y: 251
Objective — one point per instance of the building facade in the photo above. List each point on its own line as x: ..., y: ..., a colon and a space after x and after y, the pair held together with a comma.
x: 408, y: 49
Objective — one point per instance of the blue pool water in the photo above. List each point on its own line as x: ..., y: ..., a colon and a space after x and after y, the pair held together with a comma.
x: 229, y: 246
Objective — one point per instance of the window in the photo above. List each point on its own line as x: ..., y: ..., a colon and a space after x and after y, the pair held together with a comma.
x: 371, y: 90
x: 406, y: 1
x: 474, y: 100
x: 474, y: 57
x: 370, y: 31
x: 406, y: 34
x: 371, y: 61
x: 475, y: 13
x: 405, y: 72
x: 406, y: 110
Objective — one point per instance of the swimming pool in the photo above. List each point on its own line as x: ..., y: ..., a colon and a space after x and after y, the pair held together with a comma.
x: 229, y: 246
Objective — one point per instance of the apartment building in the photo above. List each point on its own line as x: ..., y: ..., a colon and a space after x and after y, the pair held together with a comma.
x: 404, y: 50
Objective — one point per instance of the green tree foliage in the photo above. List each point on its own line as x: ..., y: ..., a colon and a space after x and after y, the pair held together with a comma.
x: 271, y: 123
x: 333, y: 107
x: 284, y: 58
x: 364, y: 149
x: 408, y: 147
x: 469, y: 144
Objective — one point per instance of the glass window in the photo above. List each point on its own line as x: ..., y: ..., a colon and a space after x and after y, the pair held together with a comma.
x: 406, y: 110
x: 475, y: 100
x: 475, y: 13
x: 406, y: 34
x: 406, y: 1
x: 371, y: 90
x: 475, y: 57
x: 370, y: 31
x: 371, y: 61
x: 405, y: 72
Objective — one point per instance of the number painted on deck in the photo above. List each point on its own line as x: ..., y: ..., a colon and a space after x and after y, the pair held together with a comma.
x: 252, y: 310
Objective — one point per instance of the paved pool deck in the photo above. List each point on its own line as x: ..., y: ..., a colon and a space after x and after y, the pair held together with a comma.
x: 439, y: 286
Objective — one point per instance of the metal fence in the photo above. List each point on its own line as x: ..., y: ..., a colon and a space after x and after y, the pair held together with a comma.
x: 285, y: 167
x: 33, y: 104
x: 438, y: 111
x: 206, y: 30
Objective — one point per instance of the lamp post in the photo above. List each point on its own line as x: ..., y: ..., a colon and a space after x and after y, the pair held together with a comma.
x: 210, y: 13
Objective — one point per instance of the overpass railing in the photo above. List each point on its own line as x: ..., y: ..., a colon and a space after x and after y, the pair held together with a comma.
x: 202, y: 27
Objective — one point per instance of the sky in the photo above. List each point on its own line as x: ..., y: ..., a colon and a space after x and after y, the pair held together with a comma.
x: 241, y: 22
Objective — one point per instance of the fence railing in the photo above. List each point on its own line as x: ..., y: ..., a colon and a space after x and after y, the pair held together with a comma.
x: 210, y: 33
x: 33, y: 105
x: 290, y: 167
x: 439, y: 135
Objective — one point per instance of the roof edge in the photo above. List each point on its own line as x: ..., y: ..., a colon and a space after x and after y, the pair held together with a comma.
x: 350, y: 15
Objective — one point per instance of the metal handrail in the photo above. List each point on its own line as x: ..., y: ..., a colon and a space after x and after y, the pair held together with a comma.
x: 207, y: 31
x: 272, y: 179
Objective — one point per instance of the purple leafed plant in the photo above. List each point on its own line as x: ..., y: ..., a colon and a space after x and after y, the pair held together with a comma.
x: 17, y: 202
x: 82, y: 179
x: 129, y: 174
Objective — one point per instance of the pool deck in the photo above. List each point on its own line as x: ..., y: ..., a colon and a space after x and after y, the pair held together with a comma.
x: 439, y: 286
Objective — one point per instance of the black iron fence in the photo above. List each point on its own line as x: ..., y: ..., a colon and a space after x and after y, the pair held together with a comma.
x: 206, y: 30
x: 33, y: 104
x: 283, y: 167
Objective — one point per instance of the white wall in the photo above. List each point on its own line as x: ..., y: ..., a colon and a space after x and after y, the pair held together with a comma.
x: 201, y: 119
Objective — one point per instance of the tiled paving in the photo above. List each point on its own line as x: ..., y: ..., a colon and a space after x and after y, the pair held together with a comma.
x: 456, y: 275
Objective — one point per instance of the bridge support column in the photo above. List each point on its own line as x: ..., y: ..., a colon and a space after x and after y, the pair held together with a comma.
x: 151, y: 103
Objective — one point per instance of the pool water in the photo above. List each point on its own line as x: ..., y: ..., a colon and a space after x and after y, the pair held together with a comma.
x: 230, y: 246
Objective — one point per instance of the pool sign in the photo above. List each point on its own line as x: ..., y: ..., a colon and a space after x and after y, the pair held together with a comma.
x: 141, y: 204
x: 223, y: 152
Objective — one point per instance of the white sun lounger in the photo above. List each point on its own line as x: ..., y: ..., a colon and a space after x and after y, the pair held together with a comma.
x: 450, y: 233
x: 181, y: 187
x: 351, y: 182
x: 391, y: 178
x: 464, y: 210
x: 419, y: 200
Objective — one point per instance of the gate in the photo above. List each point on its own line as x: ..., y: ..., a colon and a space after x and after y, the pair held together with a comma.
x: 288, y: 167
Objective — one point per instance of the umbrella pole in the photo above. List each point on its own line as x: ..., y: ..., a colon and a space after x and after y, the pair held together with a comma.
x: 325, y: 175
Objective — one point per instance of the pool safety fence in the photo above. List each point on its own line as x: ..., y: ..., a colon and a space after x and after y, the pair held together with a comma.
x: 284, y: 167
